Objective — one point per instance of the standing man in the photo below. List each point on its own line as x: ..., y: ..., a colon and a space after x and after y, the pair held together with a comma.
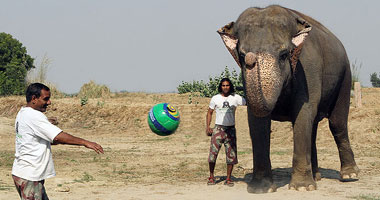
x: 34, y: 135
x: 224, y: 132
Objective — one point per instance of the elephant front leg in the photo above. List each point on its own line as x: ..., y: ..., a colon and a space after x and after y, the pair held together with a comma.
x: 314, y: 158
x: 302, y: 175
x: 262, y: 181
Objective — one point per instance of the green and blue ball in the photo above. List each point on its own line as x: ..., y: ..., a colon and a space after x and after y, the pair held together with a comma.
x: 163, y: 119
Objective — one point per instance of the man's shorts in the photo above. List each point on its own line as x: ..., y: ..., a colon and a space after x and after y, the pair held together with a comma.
x: 223, y: 135
x: 30, y: 189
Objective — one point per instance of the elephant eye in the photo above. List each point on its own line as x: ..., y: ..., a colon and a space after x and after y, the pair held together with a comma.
x: 284, y: 54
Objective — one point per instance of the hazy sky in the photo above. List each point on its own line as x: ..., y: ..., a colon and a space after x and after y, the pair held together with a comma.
x: 153, y: 46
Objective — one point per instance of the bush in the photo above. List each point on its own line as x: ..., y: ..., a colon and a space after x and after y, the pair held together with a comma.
x: 93, y: 90
x: 355, y: 72
x: 210, y: 88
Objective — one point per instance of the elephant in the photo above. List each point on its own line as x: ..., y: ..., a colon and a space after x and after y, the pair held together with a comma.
x: 294, y: 69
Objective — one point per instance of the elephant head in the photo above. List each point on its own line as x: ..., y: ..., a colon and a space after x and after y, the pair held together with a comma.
x: 266, y: 46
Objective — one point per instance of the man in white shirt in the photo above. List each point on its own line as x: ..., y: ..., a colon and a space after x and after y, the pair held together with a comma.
x: 34, y: 135
x: 224, y: 132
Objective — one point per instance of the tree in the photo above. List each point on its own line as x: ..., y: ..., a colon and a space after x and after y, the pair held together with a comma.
x: 210, y: 88
x: 14, y: 65
x: 375, y: 80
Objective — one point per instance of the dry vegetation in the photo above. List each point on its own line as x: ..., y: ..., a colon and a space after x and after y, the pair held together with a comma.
x: 138, y: 164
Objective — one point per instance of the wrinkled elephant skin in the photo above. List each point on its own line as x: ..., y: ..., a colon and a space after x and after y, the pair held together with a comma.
x: 294, y: 69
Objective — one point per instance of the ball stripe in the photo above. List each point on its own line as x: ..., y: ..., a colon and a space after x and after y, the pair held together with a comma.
x: 156, y: 123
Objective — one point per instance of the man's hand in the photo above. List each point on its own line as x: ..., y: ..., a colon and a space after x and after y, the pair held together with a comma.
x: 209, y: 131
x: 208, y: 122
x: 96, y: 147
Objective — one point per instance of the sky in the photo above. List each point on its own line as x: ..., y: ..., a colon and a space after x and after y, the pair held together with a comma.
x: 154, y: 45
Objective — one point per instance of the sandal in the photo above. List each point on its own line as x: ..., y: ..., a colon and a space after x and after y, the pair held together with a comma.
x: 229, y: 183
x: 211, y: 181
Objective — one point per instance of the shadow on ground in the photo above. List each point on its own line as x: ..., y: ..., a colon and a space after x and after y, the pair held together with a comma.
x: 282, y: 176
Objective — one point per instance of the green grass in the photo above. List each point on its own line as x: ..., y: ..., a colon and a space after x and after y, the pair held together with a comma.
x: 6, y: 158
x: 85, y: 178
x: 244, y: 152
x: 163, y: 139
x: 5, y: 187
x: 367, y: 197
x: 280, y: 153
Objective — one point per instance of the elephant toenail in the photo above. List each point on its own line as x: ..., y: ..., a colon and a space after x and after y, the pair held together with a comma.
x: 345, y: 176
x: 301, y: 189
x: 311, y: 188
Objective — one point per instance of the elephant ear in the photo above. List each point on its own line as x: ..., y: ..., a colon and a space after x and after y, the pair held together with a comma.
x: 230, y: 41
x: 298, y: 39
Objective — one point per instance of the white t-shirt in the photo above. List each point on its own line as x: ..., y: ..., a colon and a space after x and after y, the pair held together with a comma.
x: 225, y: 108
x: 34, y: 135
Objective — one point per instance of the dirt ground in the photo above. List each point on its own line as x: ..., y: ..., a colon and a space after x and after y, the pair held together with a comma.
x: 137, y: 164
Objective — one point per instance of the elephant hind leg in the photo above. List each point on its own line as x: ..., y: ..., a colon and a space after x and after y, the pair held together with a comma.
x: 338, y: 126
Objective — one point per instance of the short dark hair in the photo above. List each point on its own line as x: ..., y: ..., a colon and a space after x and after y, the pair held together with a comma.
x: 35, y: 89
x: 232, y: 88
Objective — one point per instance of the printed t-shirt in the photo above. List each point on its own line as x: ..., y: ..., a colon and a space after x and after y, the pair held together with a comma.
x: 225, y: 108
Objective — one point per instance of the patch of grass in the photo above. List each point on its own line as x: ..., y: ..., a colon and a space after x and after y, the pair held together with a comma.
x: 137, y: 122
x: 72, y: 160
x: 201, y: 172
x: 367, y: 197
x: 163, y: 139
x: 244, y: 152
x: 280, y: 153
x: 6, y: 158
x: 5, y: 187
x: 122, y: 170
x: 182, y: 165
x: 103, y: 162
x: 369, y: 152
x: 83, y: 100
x: 85, y: 178
x: 156, y: 99
x: 100, y: 104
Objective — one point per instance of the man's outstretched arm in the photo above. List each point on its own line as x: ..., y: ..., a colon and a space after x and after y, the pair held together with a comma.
x: 65, y: 138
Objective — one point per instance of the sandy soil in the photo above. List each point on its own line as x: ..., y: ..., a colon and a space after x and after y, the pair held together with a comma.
x: 138, y: 164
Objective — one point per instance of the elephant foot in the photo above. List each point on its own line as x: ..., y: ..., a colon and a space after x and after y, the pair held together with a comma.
x: 302, y: 183
x: 317, y: 176
x: 349, y: 173
x: 262, y: 185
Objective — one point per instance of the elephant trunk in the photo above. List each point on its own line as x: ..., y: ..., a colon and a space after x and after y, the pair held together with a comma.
x: 262, y: 83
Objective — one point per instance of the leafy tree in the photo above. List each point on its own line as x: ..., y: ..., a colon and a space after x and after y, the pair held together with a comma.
x: 14, y: 65
x: 210, y: 88
x: 375, y: 80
